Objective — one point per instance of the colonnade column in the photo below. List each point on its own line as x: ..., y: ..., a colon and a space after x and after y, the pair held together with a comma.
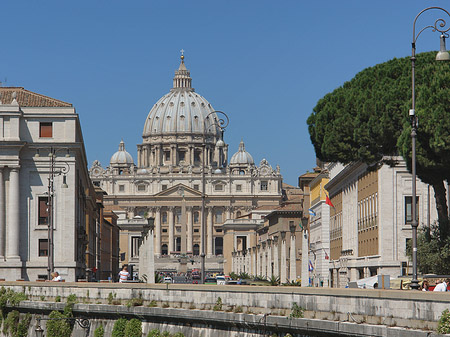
x: 276, y: 266
x: 253, y: 270
x: 269, y: 258
x: 209, y: 241
x: 189, y: 210
x: 2, y: 214
x: 283, y: 267
x: 13, y: 210
x: 171, y: 230
x: 158, y: 231
x: 258, y: 260
x: 292, y: 260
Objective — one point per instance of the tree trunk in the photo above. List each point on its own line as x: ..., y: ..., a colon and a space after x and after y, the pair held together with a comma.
x: 442, y: 210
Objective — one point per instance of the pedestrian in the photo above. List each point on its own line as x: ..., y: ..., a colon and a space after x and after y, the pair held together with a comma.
x: 56, y: 277
x: 442, y: 286
x: 425, y: 286
x: 124, y: 274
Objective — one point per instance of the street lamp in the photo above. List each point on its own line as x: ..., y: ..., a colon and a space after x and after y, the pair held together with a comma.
x: 221, y: 123
x: 84, y: 323
x: 442, y: 55
x: 54, y: 170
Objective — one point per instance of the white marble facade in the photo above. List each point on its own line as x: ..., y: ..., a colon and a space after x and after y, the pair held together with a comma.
x: 181, y: 138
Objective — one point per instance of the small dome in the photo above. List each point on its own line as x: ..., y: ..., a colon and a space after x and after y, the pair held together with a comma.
x: 242, y: 157
x: 121, y: 158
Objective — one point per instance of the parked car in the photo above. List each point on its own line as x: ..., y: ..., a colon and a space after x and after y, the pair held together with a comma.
x: 210, y: 280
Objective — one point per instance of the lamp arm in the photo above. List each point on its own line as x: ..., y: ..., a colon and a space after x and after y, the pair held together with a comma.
x: 439, y: 25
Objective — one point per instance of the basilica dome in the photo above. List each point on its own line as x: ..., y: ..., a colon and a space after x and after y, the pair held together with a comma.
x: 242, y: 157
x: 181, y: 111
x: 121, y: 158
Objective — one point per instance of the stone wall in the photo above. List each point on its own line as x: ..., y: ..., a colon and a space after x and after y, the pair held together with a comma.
x: 411, y: 309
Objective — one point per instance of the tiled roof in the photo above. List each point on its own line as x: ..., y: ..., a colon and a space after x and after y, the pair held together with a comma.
x: 27, y: 98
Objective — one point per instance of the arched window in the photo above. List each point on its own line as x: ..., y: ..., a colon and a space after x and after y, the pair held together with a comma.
x: 196, y: 250
x: 164, y: 250
x: 218, y: 246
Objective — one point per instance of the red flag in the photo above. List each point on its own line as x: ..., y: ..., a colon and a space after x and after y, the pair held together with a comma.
x: 326, y: 255
x: 328, y: 201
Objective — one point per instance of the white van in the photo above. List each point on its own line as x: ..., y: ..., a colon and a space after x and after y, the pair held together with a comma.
x: 221, y: 280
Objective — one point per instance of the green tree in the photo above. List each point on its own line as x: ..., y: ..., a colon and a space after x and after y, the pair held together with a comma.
x: 367, y: 120
x: 100, y: 331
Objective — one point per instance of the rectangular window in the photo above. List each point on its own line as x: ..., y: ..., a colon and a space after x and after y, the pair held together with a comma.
x: 264, y: 185
x: 238, y: 188
x: 164, y: 187
x: 182, y: 155
x: 45, y: 130
x: 178, y: 216
x: 196, y: 230
x: 178, y: 229
x: 164, y: 230
x: 197, y: 157
x: 135, y: 243
x: 196, y: 217
x: 219, y: 230
x: 43, y: 247
x: 219, y: 216
x: 167, y: 155
x: 141, y: 188
x: 408, y: 209
x: 121, y: 188
x: 43, y: 211
x: 218, y: 187
x: 196, y: 187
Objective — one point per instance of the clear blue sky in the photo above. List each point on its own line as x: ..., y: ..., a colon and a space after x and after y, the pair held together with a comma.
x: 265, y: 63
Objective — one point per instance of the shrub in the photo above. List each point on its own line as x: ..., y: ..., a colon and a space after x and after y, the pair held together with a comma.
x: 165, y: 334
x: 22, y: 327
x: 99, y: 332
x: 111, y: 297
x: 119, y: 328
x: 133, y: 328
x: 274, y: 280
x: 154, y: 333
x: 238, y: 309
x: 218, y: 306
x: 178, y: 334
x: 296, y: 311
x: 135, y: 302
x: 58, y: 298
x: 58, y: 327
x: 444, y: 322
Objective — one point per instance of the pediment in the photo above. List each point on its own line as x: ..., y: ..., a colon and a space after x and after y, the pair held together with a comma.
x: 174, y: 191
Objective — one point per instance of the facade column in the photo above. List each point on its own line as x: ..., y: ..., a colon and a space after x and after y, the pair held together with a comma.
x: 264, y: 259
x: 305, y: 260
x: 253, y: 270
x: 189, y: 210
x: 292, y: 259
x: 13, y: 218
x: 209, y: 235
x: 269, y: 258
x: 233, y: 263
x: 276, y: 266
x: 158, y: 231
x: 2, y: 215
x: 171, y: 229
x: 283, y: 267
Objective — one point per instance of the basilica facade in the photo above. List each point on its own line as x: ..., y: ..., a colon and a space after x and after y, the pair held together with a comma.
x: 183, y: 156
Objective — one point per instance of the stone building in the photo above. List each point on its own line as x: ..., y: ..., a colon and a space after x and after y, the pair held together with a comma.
x: 370, y: 223
x: 181, y: 138
x: 43, y: 176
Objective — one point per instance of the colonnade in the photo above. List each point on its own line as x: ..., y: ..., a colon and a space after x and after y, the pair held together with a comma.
x: 273, y: 257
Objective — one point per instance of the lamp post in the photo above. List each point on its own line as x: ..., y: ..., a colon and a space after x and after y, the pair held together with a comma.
x: 221, y: 123
x: 442, y: 55
x: 84, y: 323
x: 54, y: 170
